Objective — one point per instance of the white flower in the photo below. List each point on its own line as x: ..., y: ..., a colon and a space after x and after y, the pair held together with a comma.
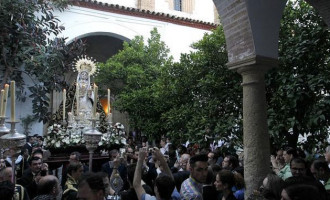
x: 66, y: 140
x: 123, y: 141
x: 116, y: 141
x: 57, y: 144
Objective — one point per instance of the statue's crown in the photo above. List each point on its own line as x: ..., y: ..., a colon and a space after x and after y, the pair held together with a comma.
x: 85, y: 63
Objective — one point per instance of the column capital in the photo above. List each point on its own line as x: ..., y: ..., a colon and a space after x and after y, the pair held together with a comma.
x: 253, y: 64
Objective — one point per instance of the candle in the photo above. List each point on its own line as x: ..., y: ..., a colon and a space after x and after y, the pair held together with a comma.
x: 1, y: 102
x: 70, y: 119
x: 77, y: 97
x: 64, y: 101
x: 5, y: 98
x: 109, y: 109
x: 12, y: 95
x: 95, y: 99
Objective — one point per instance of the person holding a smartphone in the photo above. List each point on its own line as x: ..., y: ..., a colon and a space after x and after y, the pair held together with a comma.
x: 164, y: 183
x: 109, y: 166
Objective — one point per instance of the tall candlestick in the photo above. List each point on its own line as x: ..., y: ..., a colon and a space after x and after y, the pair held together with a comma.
x: 77, y: 97
x: 12, y: 98
x: 5, y: 99
x: 64, y: 101
x: 109, y: 109
x: 95, y: 99
x: 1, y: 102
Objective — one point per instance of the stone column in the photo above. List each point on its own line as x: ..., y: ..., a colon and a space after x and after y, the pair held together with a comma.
x: 255, y: 129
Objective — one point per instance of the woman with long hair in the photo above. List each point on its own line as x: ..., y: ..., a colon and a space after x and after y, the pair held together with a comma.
x: 225, y: 180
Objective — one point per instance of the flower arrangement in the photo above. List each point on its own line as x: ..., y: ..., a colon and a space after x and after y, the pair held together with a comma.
x: 115, y: 135
x: 59, y: 137
x: 109, y: 139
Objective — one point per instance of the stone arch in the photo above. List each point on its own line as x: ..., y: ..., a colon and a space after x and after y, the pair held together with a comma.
x: 87, y: 34
x: 250, y: 29
x: 84, y: 29
x: 109, y: 34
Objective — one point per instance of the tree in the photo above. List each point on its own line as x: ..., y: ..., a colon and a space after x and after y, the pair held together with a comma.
x: 30, y: 49
x: 203, y: 98
x: 184, y: 100
x: 132, y: 75
x: 298, y: 90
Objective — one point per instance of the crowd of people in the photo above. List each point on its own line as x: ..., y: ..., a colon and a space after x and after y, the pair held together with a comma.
x: 164, y: 172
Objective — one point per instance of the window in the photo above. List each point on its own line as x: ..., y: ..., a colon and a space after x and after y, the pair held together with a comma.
x: 177, y: 5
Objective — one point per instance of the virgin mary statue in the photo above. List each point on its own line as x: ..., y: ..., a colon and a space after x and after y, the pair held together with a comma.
x: 79, y: 99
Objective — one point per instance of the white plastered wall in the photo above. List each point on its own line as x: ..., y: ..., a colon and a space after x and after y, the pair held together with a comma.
x: 81, y: 22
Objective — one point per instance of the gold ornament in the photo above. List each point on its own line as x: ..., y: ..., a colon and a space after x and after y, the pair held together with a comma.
x: 85, y: 64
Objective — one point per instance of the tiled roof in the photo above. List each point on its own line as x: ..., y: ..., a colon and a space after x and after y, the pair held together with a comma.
x: 144, y: 14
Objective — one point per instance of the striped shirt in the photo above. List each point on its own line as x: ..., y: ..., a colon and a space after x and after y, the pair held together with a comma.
x: 191, y: 190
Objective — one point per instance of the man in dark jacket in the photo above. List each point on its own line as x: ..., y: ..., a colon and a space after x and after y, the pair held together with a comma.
x: 75, y: 171
x: 32, y: 176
